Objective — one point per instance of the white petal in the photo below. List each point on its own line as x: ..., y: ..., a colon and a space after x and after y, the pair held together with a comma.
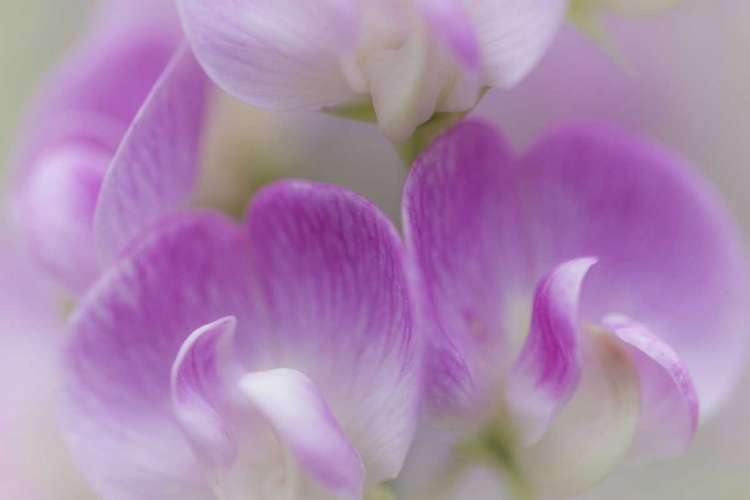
x: 596, y: 429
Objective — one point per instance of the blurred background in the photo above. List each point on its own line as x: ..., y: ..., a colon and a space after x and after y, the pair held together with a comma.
x: 690, y: 90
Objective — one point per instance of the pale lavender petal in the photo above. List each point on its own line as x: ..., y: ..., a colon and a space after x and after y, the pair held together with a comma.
x: 450, y: 23
x: 669, y: 402
x: 57, y: 210
x: 332, y: 274
x: 484, y: 228
x: 275, y: 53
x: 462, y: 228
x: 199, y: 393
x: 121, y: 344
x: 669, y: 252
x: 304, y: 423
x: 235, y: 442
x: 155, y: 169
x: 514, y: 35
x: 595, y: 430
x: 548, y: 369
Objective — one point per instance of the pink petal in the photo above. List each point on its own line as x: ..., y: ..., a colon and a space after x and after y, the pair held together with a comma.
x: 274, y: 53
x: 484, y: 228
x: 122, y: 341
x: 306, y: 426
x: 669, y: 402
x: 464, y: 234
x: 199, y: 392
x: 669, y: 251
x: 322, y: 290
x: 155, y: 169
x: 548, y: 369
x: 332, y: 275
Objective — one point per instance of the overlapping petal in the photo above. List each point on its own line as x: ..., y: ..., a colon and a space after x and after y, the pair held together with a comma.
x: 155, y: 169
x: 669, y: 253
x: 336, y: 296
x: 669, y: 408
x: 548, y: 368
x: 316, y: 283
x: 304, y: 423
x: 411, y: 57
x: 463, y: 228
x: 199, y: 394
x: 595, y: 430
x: 276, y: 54
x: 123, y: 341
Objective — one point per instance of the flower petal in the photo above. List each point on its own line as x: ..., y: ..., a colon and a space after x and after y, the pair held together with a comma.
x: 122, y: 341
x: 462, y: 228
x: 304, y: 423
x: 669, y: 403
x: 155, y: 168
x: 274, y: 53
x: 514, y: 35
x: 198, y: 392
x: 595, y: 430
x: 450, y: 22
x: 548, y: 369
x: 332, y: 273
x: 669, y: 252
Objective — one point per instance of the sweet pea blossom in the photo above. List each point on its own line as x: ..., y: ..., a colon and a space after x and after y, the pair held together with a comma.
x: 588, y: 303
x: 410, y: 58
x: 273, y: 358
x: 76, y: 159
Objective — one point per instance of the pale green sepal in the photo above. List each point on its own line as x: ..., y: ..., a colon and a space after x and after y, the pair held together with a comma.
x: 382, y: 492
x: 496, y: 448
x: 423, y: 136
x: 362, y: 111
x: 584, y: 15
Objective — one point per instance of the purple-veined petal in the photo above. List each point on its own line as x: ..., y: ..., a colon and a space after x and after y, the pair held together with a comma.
x: 155, y: 168
x: 462, y: 230
x: 199, y: 393
x: 514, y: 35
x: 331, y: 270
x: 668, y: 250
x: 669, y: 404
x: 449, y: 22
x: 548, y: 369
x: 595, y: 430
x: 121, y: 344
x: 275, y: 53
x: 304, y: 423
